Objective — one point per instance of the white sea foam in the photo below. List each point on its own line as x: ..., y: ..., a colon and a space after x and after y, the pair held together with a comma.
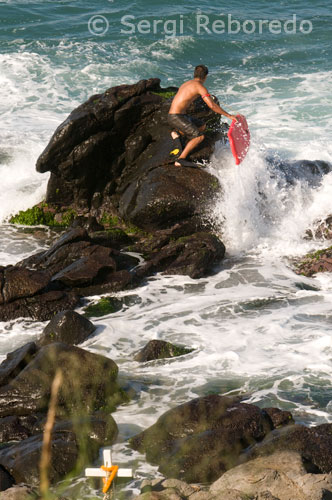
x: 289, y: 114
x: 261, y: 210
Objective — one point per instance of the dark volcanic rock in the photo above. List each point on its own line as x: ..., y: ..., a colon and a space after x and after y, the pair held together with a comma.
x: 313, y: 443
x: 193, y: 255
x: 159, y: 349
x: 22, y: 459
x: 6, y: 480
x: 41, y: 307
x: 113, y: 238
x: 168, y: 194
x: 278, y: 417
x: 20, y: 283
x: 112, y: 155
x: 88, y: 382
x: 16, y: 361
x: 72, y: 266
x: 199, y: 440
x: 18, y: 428
x: 68, y: 327
x: 89, y: 141
x: 87, y: 269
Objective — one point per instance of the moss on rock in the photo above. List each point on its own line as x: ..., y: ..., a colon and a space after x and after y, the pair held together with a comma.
x: 106, y: 305
x: 42, y: 215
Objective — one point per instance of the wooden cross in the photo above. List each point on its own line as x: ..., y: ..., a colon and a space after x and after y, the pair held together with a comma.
x: 108, y: 471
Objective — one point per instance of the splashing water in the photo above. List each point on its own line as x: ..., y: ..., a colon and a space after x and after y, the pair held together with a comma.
x: 263, y: 210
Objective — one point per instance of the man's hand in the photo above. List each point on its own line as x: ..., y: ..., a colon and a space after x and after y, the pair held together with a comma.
x: 232, y: 117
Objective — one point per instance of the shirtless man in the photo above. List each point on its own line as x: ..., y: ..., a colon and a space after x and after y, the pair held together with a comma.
x: 185, y: 124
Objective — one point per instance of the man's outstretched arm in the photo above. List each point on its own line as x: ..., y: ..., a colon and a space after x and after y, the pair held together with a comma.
x: 215, y: 107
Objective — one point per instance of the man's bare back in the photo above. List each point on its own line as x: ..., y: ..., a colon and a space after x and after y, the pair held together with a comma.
x: 186, y: 94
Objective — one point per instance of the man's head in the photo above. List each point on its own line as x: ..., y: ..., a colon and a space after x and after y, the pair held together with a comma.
x: 201, y: 72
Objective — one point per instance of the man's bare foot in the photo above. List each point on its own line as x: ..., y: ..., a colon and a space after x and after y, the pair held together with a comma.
x: 177, y: 164
x: 174, y: 134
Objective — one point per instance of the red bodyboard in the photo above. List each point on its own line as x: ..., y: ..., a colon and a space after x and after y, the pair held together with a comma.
x: 239, y: 138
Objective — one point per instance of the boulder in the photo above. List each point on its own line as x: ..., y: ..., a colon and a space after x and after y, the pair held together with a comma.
x: 68, y: 327
x: 19, y: 492
x: 199, y: 440
x: 317, y: 262
x: 21, y: 460
x: 159, y: 349
x: 194, y: 255
x: 41, y: 307
x: 322, y: 229
x: 281, y: 475
x: 314, y: 444
x: 71, y: 267
x: 16, y: 361
x: 166, y: 194
x: 16, y: 428
x: 18, y: 283
x: 89, y: 382
x: 6, y: 480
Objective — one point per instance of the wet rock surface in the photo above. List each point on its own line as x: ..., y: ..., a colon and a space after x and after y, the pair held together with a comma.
x: 252, y: 451
x: 89, y: 390
x: 159, y: 349
x: 89, y: 383
x: 317, y: 262
x: 73, y: 266
x: 193, y: 255
x: 76, y: 265
x: 68, y: 327
x: 199, y: 440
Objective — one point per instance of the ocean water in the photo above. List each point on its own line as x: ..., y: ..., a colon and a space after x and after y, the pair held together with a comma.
x: 257, y: 328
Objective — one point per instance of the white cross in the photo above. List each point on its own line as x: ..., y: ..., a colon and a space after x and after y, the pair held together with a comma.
x: 107, y: 454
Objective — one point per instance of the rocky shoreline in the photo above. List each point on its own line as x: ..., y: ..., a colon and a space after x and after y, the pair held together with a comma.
x: 132, y: 213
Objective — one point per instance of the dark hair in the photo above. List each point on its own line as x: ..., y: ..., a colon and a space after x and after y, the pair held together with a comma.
x: 201, y: 71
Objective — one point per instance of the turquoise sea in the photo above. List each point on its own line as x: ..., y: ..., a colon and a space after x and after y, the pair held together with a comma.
x: 257, y: 327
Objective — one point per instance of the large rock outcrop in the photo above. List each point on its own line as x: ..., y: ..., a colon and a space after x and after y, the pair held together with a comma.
x: 201, y: 439
x: 82, y: 264
x: 281, y: 476
x: 112, y: 154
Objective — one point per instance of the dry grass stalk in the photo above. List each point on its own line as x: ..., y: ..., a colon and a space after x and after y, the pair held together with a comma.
x: 45, y: 459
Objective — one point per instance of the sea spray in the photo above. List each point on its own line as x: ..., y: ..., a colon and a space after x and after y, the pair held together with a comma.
x: 262, y: 207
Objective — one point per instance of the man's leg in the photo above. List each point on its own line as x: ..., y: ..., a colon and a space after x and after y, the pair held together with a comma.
x: 192, y: 144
